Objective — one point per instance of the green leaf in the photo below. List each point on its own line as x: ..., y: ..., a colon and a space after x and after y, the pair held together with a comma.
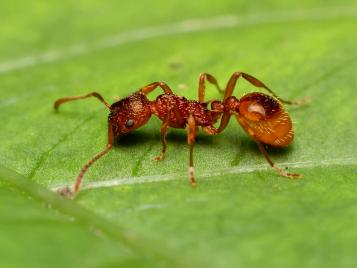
x: 134, y: 212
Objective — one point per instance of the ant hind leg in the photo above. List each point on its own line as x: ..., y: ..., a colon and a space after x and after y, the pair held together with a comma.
x: 257, y: 83
x: 271, y: 163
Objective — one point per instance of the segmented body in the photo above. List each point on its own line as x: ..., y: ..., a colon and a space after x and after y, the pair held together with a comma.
x: 260, y: 115
x: 179, y: 108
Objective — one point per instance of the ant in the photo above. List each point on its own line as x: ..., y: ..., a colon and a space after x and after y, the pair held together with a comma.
x: 262, y: 117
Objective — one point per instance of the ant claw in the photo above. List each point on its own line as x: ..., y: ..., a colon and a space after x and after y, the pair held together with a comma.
x: 303, y: 101
x: 191, y: 176
x: 294, y: 176
x: 159, y: 158
x: 65, y: 192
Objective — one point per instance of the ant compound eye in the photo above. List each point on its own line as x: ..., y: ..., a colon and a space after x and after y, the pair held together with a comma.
x: 129, y: 123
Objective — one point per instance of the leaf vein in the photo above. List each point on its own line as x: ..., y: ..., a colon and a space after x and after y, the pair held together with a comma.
x: 65, y: 137
x: 210, y: 173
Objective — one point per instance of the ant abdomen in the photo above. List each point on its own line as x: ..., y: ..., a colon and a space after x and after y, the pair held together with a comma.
x: 265, y: 120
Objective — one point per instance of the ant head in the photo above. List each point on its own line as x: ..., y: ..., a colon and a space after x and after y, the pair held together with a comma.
x: 129, y: 113
x: 258, y: 106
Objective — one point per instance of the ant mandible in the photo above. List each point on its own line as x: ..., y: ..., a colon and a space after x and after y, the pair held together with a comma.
x: 262, y: 117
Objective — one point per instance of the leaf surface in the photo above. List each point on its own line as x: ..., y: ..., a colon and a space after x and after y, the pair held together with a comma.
x: 241, y: 214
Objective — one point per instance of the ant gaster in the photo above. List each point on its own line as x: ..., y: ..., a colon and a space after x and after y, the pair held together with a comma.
x: 262, y: 117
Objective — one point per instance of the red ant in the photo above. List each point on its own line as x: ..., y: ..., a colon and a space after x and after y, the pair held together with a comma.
x: 261, y: 116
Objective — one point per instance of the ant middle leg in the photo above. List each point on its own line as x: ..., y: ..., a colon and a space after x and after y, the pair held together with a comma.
x: 60, y: 101
x: 257, y: 83
x: 191, y: 135
x: 202, y: 85
x: 271, y: 163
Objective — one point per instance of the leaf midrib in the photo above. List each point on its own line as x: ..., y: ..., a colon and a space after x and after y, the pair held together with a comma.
x: 144, y: 247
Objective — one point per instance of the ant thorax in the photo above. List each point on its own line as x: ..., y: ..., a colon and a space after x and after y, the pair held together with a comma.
x: 179, y: 108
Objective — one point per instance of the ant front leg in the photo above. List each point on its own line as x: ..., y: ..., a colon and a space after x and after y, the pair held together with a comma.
x: 60, y: 101
x: 202, y: 85
x: 257, y: 83
x: 149, y: 88
x: 271, y: 163
x: 163, y: 132
x: 191, y: 135
x: 66, y: 191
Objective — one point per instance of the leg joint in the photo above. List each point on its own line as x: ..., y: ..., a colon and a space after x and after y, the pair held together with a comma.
x: 237, y: 74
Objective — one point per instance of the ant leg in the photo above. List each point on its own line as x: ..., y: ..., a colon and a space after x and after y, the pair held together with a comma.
x: 212, y: 130
x: 224, y: 121
x: 278, y: 169
x: 255, y: 82
x: 67, y: 99
x: 191, y: 134
x: 66, y: 191
x: 202, y: 85
x: 163, y: 132
x: 147, y: 89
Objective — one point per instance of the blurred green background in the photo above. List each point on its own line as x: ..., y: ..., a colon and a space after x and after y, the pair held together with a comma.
x: 242, y: 214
